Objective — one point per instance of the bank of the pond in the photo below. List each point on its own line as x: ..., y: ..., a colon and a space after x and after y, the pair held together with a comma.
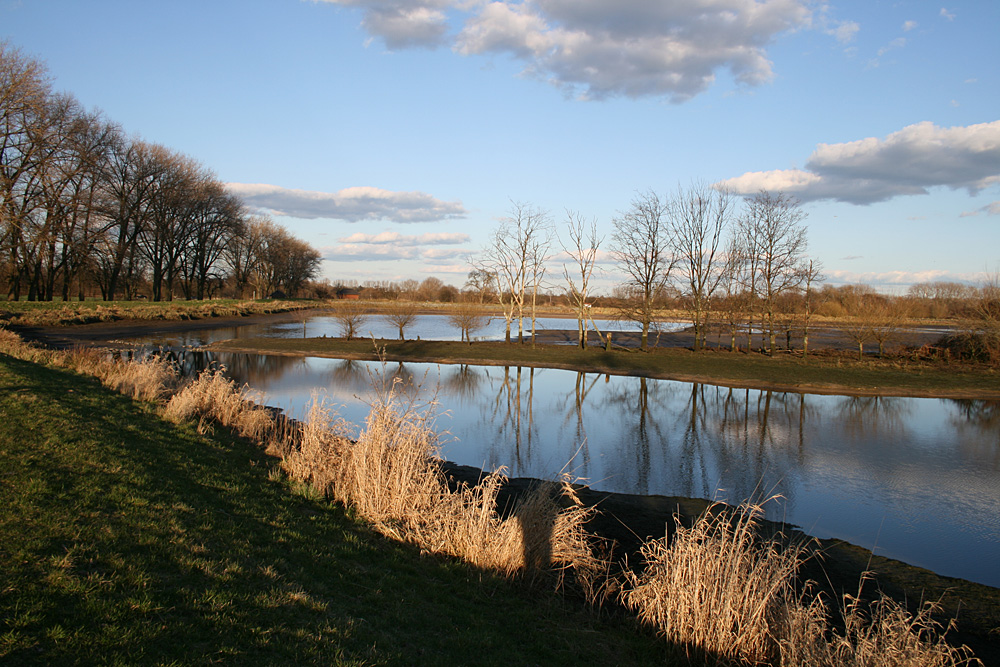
x: 836, y: 570
x: 126, y: 539
x: 824, y: 372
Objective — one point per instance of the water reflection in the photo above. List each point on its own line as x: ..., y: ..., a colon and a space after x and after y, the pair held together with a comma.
x: 918, y: 479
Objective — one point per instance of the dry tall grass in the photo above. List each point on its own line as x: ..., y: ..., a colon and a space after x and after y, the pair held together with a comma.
x: 391, y: 476
x: 728, y: 595
x: 213, y: 396
x: 718, y: 587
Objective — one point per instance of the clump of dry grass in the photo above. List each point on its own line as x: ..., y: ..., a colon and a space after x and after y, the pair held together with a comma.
x: 878, y: 634
x: 213, y: 396
x: 152, y: 378
x: 718, y: 587
x: 391, y: 476
x: 727, y: 594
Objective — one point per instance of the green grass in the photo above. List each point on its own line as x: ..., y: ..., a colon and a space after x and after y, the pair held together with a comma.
x: 128, y: 540
x: 821, y: 373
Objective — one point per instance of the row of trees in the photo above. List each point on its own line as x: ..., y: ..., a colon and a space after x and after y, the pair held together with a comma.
x: 84, y: 206
x: 699, y: 245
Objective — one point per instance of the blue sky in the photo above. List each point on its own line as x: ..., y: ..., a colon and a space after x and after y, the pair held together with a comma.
x: 393, y: 134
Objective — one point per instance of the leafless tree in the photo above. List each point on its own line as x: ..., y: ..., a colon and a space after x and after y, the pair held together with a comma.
x: 469, y: 317
x: 401, y: 314
x: 351, y: 316
x: 700, y: 218
x: 641, y: 245
x: 776, y: 243
x: 582, y: 248
x: 511, y: 256
x: 813, y: 273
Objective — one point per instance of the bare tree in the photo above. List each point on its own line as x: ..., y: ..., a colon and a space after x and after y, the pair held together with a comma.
x: 582, y: 248
x: 813, y: 273
x: 401, y: 314
x: 641, y: 244
x: 700, y: 218
x: 510, y: 257
x: 776, y: 244
x: 351, y: 316
x: 468, y: 317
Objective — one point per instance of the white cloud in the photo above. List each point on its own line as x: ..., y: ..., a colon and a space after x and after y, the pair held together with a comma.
x: 909, y: 25
x: 897, y: 43
x: 947, y: 15
x: 907, y: 162
x: 844, y: 32
x: 403, y: 24
x: 897, y: 278
x: 397, y: 239
x: 993, y: 208
x: 361, y: 247
x: 597, y: 49
x: 350, y: 204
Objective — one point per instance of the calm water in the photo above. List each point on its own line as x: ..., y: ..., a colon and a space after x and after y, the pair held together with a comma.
x: 426, y: 327
x: 912, y: 479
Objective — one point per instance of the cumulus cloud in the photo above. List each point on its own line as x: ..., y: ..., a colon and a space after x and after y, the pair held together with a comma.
x: 350, y: 204
x: 947, y: 15
x: 907, y: 162
x: 597, y: 49
x: 397, y: 239
x: 898, y: 278
x: 395, y: 246
x: 909, y: 25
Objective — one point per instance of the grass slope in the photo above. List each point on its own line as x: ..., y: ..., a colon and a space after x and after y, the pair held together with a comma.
x: 817, y: 373
x: 126, y: 539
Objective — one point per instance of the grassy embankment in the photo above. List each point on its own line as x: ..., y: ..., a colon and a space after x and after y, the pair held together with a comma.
x: 717, y: 588
x: 127, y: 539
x: 56, y: 313
x: 816, y: 373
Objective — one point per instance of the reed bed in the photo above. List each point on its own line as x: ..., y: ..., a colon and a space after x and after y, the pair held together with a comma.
x: 718, y: 588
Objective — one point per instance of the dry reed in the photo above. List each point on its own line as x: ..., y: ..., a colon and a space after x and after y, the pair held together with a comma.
x: 718, y: 588
x: 215, y: 397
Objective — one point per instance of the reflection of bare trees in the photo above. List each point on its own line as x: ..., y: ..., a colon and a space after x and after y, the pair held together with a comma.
x: 642, y: 429
x: 979, y: 424
x: 511, y: 415
x: 871, y: 415
x: 250, y: 369
x: 463, y: 382
x: 574, y: 413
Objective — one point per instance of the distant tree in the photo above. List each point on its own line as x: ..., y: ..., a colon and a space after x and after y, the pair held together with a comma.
x: 483, y: 283
x: 641, y: 244
x: 401, y: 314
x: 430, y: 289
x: 469, y: 317
x: 351, y: 316
x: 700, y: 218
x: 582, y: 248
x: 775, y: 241
x: 813, y: 273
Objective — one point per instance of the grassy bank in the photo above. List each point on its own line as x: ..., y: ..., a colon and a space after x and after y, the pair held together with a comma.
x: 60, y: 313
x: 126, y: 539
x: 820, y: 373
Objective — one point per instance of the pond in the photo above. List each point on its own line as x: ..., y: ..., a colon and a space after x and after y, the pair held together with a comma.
x: 913, y: 479
x: 426, y: 327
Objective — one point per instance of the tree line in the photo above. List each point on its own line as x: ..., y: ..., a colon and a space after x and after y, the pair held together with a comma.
x: 86, y: 208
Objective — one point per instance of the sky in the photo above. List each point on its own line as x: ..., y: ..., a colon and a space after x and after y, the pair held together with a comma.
x: 394, y: 135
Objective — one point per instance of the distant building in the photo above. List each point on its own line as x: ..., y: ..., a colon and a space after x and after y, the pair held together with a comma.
x: 348, y: 294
